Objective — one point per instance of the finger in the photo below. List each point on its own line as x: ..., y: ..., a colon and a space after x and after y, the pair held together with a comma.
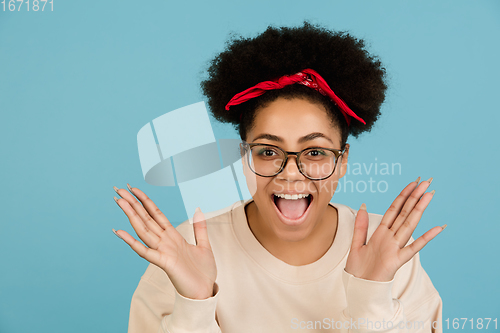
x: 409, y: 251
x: 404, y: 232
x: 200, y: 229
x: 410, y: 203
x: 360, y: 228
x: 151, y: 208
x: 149, y: 222
x: 149, y: 254
x: 393, y: 211
x: 145, y: 234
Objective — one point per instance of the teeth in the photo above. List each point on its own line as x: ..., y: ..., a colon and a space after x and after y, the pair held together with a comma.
x: 291, y: 196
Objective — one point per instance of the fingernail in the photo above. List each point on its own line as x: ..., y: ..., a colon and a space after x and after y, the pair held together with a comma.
x: 418, y: 179
x: 116, y: 190
x: 196, y: 215
x: 114, y: 231
x: 432, y: 192
x: 116, y: 199
x: 129, y: 188
x: 444, y: 226
x: 430, y: 180
x: 363, y: 207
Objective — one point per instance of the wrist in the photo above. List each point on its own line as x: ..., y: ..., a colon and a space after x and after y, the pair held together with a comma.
x: 372, y: 276
x: 212, y: 293
x: 377, y: 277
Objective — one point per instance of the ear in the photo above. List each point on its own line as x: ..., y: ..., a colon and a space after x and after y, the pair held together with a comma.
x: 250, y: 177
x: 242, y: 155
x: 343, y: 159
x: 243, y: 159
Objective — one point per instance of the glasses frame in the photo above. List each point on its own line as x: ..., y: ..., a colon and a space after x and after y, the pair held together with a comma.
x: 337, y: 152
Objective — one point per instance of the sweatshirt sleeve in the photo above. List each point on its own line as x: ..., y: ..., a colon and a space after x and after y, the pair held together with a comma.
x: 157, y: 307
x: 408, y: 303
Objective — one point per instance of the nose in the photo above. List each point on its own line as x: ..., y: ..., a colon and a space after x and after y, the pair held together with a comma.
x: 291, y: 170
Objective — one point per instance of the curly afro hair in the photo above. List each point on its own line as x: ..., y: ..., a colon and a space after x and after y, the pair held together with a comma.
x: 351, y: 72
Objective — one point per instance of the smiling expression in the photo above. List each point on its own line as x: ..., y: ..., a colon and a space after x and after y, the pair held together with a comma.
x: 293, y: 125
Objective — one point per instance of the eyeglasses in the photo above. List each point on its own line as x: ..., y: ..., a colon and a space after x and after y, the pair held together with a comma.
x: 315, y: 163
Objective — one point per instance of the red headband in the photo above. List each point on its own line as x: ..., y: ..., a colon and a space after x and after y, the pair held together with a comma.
x: 307, y: 77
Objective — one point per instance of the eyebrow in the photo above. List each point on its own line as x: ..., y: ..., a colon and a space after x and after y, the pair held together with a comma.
x: 308, y: 137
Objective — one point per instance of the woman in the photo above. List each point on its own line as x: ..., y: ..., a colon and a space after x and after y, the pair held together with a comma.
x: 288, y: 259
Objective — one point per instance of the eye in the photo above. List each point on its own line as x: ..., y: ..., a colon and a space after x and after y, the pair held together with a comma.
x: 316, y: 152
x: 267, y: 152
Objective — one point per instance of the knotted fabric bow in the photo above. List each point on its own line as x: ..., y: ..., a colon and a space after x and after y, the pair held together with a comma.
x: 306, y: 77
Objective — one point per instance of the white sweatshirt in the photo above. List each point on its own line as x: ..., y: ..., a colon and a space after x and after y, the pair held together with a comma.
x: 258, y: 293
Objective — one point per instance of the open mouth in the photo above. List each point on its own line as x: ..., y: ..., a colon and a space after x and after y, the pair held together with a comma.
x: 292, y: 208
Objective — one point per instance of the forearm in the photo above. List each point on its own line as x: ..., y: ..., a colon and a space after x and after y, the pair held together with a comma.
x: 370, y: 306
x: 190, y: 315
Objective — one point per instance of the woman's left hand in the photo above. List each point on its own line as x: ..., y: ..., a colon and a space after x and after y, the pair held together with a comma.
x: 386, y: 252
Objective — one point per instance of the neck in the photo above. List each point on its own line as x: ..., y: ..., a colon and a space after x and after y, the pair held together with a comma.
x: 297, y: 253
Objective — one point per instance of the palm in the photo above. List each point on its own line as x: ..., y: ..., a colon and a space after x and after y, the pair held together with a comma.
x: 386, y: 251
x: 187, y: 264
x: 191, y: 268
x: 379, y: 258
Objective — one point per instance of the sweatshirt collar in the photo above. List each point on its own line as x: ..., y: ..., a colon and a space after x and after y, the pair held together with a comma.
x: 332, y: 260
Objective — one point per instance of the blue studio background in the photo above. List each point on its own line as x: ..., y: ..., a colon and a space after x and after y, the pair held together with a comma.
x: 78, y: 82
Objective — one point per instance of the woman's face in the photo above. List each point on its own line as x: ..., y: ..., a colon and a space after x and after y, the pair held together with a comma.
x: 293, y: 125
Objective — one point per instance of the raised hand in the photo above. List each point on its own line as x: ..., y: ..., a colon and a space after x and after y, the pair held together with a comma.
x: 386, y: 252
x: 191, y: 268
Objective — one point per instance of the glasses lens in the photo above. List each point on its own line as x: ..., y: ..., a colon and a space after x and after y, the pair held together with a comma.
x: 265, y: 160
x: 317, y: 163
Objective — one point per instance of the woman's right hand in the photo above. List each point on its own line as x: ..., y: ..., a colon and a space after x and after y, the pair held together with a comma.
x: 191, y: 268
